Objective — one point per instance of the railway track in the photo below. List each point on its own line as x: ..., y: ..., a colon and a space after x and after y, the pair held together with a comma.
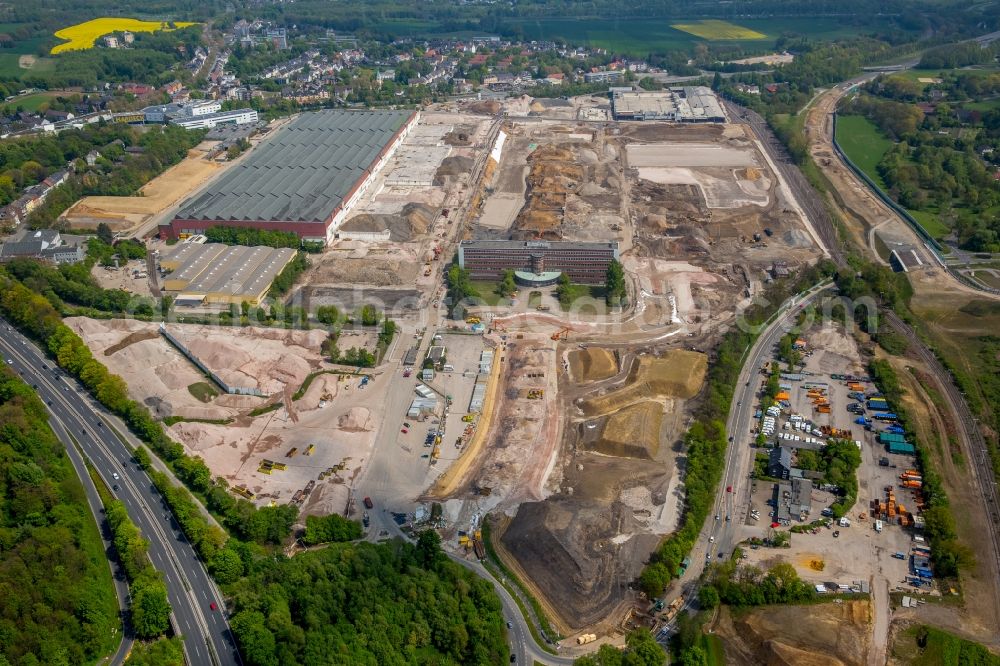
x: 808, y: 198
x: 975, y: 445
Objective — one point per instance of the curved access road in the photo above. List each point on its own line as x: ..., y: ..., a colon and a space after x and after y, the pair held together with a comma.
x: 206, y: 634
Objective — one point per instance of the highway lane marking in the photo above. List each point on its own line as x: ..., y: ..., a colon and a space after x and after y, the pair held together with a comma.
x: 104, y: 447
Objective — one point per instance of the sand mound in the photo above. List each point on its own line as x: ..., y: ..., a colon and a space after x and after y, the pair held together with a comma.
x: 452, y: 167
x: 633, y: 432
x: 357, y: 419
x: 592, y: 364
x: 414, y: 220
x: 678, y: 373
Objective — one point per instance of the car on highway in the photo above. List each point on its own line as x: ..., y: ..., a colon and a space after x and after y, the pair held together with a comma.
x: 213, y: 606
x: 10, y: 362
x: 729, y: 489
x: 114, y: 475
x: 717, y: 516
x: 404, y: 431
x: 368, y: 503
x: 510, y: 625
x: 406, y: 425
x: 711, y: 539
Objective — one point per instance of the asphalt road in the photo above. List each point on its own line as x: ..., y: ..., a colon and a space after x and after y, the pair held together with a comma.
x: 207, y: 639
x: 739, y: 454
x: 97, y: 509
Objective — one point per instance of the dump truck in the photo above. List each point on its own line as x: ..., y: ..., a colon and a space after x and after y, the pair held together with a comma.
x: 291, y: 452
x: 583, y: 639
x: 913, y: 484
x: 310, y: 449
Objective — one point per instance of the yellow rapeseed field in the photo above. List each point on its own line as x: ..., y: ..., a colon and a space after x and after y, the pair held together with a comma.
x: 718, y: 30
x: 83, y: 35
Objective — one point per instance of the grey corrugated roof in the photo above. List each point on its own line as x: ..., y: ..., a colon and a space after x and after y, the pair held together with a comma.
x: 301, y: 173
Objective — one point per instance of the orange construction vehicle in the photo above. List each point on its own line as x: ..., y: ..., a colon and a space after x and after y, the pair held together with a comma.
x: 562, y: 334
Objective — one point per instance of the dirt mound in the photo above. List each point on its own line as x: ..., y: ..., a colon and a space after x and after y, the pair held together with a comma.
x: 678, y: 373
x: 633, y: 432
x: 414, y: 220
x: 592, y: 364
x: 565, y: 548
x: 460, y: 136
x: 554, y: 175
x: 490, y: 107
x: 815, y: 635
x: 357, y: 419
x: 452, y: 167
x: 131, y: 339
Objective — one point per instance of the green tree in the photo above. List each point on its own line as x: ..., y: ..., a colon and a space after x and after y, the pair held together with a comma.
x: 327, y: 314
x: 105, y: 234
x: 614, y: 284
x: 654, y: 579
x: 507, y: 286
x: 460, y: 291
x: 163, y: 652
x: 369, y: 316
x: 150, y: 610
x: 708, y: 597
x: 166, y: 302
x: 227, y: 566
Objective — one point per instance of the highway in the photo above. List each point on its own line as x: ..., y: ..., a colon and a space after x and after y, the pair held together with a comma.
x: 97, y: 509
x: 207, y: 639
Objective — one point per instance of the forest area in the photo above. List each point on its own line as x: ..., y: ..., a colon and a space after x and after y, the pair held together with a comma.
x: 368, y: 604
x: 57, y: 603
x: 945, y: 150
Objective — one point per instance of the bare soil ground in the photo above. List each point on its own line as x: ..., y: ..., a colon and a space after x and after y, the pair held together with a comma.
x: 158, y: 375
x: 592, y: 364
x: 631, y: 432
x: 680, y: 374
x: 411, y: 222
x: 333, y: 415
x: 159, y: 194
x: 816, y: 635
x: 582, y: 545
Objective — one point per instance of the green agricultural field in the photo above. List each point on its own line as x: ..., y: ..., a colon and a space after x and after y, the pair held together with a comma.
x: 863, y: 143
x: 642, y: 36
x: 31, y: 102
x: 986, y: 105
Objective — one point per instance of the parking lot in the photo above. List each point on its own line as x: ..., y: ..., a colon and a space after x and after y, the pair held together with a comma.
x: 854, y: 550
x: 457, y: 380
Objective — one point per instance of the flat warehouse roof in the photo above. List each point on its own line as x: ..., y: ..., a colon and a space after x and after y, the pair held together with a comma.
x: 535, y: 245
x: 213, y: 268
x: 303, y: 172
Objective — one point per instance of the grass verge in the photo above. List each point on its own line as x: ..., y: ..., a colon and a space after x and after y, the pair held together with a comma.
x: 171, y: 420
x: 203, y: 391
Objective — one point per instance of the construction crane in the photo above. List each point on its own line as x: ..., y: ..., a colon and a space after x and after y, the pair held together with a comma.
x: 562, y: 334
